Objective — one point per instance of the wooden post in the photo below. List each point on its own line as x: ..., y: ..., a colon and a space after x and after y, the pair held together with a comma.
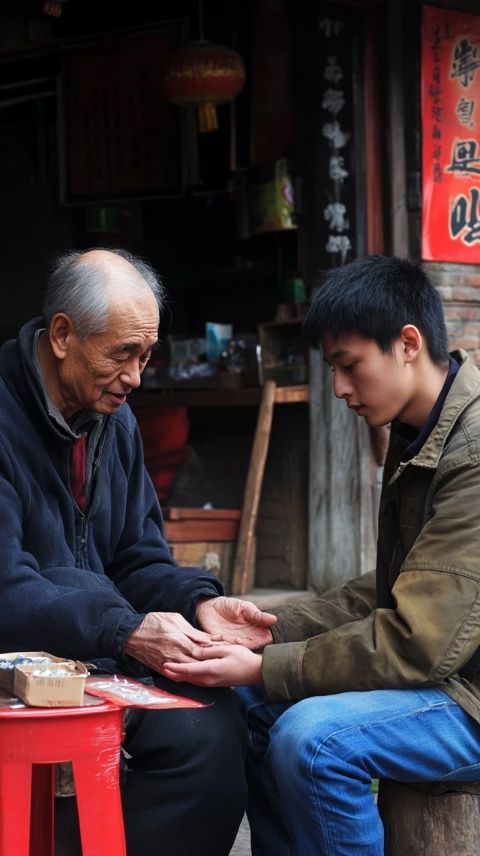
x: 244, y: 558
x: 341, y: 522
x: 375, y: 228
x: 421, y: 824
x: 398, y: 169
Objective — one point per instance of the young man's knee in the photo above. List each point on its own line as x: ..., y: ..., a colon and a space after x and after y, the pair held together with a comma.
x: 307, y: 729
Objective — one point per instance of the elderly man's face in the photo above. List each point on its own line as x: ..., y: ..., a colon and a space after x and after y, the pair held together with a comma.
x: 99, y: 373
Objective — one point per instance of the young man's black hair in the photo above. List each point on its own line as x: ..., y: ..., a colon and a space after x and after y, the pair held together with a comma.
x: 375, y: 297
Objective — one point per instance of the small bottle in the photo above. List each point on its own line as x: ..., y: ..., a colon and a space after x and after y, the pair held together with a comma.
x: 223, y: 361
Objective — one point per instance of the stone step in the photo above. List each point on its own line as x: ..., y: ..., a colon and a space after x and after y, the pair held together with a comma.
x: 268, y: 598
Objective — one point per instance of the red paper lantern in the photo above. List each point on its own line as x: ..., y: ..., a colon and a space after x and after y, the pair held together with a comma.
x: 53, y: 7
x: 204, y: 75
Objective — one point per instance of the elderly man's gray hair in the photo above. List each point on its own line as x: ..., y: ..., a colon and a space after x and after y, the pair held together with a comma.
x: 76, y: 286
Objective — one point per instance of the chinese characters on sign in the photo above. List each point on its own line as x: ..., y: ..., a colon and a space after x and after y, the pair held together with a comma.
x: 451, y: 135
x: 122, y: 135
x: 333, y: 100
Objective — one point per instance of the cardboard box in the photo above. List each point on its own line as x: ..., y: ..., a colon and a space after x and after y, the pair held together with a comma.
x: 201, y: 524
x: 7, y: 675
x: 46, y: 690
x: 204, y: 537
x: 217, y: 557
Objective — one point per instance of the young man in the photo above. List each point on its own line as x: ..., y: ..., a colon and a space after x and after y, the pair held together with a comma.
x: 378, y: 677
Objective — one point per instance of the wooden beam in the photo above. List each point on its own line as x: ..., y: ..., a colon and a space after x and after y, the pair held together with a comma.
x: 372, y: 139
x: 366, y: 4
x: 242, y: 397
x: 243, y: 568
x: 292, y: 394
x: 398, y: 169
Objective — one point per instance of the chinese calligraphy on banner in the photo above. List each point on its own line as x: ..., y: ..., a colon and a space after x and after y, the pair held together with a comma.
x: 335, y: 99
x: 450, y: 136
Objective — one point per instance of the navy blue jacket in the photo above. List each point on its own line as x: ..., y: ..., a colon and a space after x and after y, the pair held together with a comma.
x: 72, y: 583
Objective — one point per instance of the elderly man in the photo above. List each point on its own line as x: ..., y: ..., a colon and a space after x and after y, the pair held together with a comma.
x: 86, y: 572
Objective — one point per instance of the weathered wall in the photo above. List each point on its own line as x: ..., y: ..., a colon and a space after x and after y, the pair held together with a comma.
x: 459, y: 286
x: 281, y: 532
x: 342, y: 487
x: 32, y: 225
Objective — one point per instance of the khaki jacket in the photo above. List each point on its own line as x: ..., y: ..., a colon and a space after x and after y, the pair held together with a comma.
x: 416, y: 622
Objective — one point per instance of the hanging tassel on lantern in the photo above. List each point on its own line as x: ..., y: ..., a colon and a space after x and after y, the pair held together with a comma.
x: 207, y: 117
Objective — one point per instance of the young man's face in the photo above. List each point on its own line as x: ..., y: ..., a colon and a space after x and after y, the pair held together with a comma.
x: 377, y: 385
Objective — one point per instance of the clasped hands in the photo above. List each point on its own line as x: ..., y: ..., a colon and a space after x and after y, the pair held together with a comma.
x: 222, y: 653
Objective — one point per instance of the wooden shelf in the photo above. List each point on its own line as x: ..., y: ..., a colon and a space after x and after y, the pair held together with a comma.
x: 242, y: 397
x: 291, y: 394
x: 264, y: 398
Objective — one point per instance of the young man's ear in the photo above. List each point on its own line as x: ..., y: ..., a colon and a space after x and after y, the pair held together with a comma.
x: 59, y: 331
x: 412, y: 342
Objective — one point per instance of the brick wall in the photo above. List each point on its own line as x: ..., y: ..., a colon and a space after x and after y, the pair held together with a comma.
x: 459, y: 286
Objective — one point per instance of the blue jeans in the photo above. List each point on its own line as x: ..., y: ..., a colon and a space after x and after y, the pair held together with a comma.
x: 311, y: 764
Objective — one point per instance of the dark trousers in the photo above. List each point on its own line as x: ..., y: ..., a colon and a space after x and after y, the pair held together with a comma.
x: 184, y: 792
x: 183, y: 789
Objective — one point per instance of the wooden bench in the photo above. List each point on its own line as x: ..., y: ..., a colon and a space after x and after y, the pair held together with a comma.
x: 420, y: 823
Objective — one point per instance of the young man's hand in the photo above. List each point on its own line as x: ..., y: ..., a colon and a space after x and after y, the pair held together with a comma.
x: 239, y: 622
x: 218, y: 666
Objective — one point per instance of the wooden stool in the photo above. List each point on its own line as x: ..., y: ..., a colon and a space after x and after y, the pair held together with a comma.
x: 89, y: 737
x: 424, y: 824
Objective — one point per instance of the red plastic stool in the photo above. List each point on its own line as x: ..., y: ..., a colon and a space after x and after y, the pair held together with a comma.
x: 90, y: 738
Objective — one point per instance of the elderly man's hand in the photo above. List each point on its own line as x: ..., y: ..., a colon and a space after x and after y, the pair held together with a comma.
x: 165, y: 636
x: 239, y: 622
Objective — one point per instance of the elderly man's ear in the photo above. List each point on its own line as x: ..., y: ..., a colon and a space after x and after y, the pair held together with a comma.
x: 59, y: 332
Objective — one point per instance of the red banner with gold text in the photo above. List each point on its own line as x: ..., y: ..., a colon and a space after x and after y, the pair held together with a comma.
x: 450, y: 136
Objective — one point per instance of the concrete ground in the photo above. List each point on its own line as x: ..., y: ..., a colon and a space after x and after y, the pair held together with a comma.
x: 242, y: 841
x: 269, y: 598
